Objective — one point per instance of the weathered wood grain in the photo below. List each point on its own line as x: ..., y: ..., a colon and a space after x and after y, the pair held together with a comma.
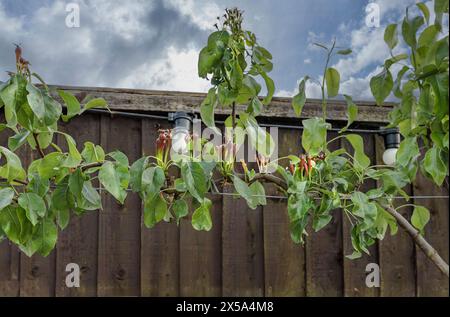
x: 119, y: 225
x: 78, y: 243
x: 243, y: 248
x: 284, y: 260
x: 167, y: 101
x: 396, y: 253
x: 355, y: 270
x: 431, y: 281
x: 160, y: 262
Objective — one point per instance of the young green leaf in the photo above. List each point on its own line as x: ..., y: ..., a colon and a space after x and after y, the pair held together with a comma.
x: 352, y: 112
x: 332, y: 79
x: 314, y: 136
x: 420, y: 218
x: 180, y: 209
x: 34, y: 206
x: 36, y: 101
x: 207, y: 108
x: 6, y: 197
x: 195, y: 179
x: 72, y: 104
x: 381, y: 86
x: 110, y: 178
x: 155, y: 208
x: 390, y: 36
x: 361, y: 160
x: 298, y: 101
x: 201, y: 218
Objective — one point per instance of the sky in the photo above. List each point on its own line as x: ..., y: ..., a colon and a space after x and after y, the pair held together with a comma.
x: 154, y: 44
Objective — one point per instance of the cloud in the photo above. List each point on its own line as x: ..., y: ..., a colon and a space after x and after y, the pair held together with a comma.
x: 307, y: 61
x: 113, y: 42
x: 175, y: 71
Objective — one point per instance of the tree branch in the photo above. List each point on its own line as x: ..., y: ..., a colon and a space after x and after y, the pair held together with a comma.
x: 38, y: 147
x: 418, y: 239
x: 429, y: 251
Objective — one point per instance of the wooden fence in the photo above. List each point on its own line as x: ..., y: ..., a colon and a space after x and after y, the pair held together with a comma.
x: 247, y: 252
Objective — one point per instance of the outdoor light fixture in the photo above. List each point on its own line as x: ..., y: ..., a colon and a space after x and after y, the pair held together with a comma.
x: 391, y: 143
x: 180, y: 133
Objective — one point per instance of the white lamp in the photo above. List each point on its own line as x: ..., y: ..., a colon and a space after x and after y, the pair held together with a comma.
x: 180, y: 133
x: 391, y: 143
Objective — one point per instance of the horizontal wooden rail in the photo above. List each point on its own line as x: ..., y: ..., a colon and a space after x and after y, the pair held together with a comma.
x: 168, y: 101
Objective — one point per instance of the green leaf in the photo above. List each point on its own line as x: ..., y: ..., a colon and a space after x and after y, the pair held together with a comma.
x: 6, y: 197
x: 390, y: 36
x: 109, y: 177
x: 425, y: 11
x: 361, y: 160
x: 408, y: 151
x: 62, y: 218
x: 18, y: 140
x: 255, y: 107
x: 352, y: 112
x: 153, y: 179
x: 441, y: 6
x: 298, y: 207
x: 155, y: 208
x: 428, y: 36
x: 95, y: 103
x: 74, y: 158
x: 344, y: 52
x: 381, y: 85
x: 136, y: 170
x: 259, y: 138
x: 53, y: 110
x: 15, y: 224
x: 201, y: 218
x: 298, y: 101
x: 195, y: 179
x: 13, y: 167
x: 93, y: 153
x: 91, y: 195
x: 314, y: 136
x: 254, y: 194
x: 207, y: 108
x: 44, y: 239
x: 332, y: 79
x: 50, y: 165
x: 433, y: 164
x: 395, y: 59
x: 34, y: 206
x: 36, y: 101
x: 270, y: 85
x: 72, y: 104
x: 180, y: 209
x: 409, y: 30
x: 364, y: 209
x: 207, y: 60
x: 420, y: 218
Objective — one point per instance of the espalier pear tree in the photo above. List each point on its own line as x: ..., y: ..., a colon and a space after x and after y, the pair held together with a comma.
x: 37, y: 201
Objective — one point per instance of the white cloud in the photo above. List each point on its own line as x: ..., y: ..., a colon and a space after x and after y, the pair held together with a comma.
x: 307, y: 61
x: 176, y: 71
x: 202, y: 13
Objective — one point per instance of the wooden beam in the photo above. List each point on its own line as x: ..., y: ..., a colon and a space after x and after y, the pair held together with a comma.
x: 169, y: 101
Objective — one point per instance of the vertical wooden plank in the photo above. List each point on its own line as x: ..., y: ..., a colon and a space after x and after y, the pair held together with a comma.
x: 120, y: 226
x: 37, y: 273
x: 243, y: 247
x: 9, y: 254
x: 396, y: 253
x: 324, y: 269
x: 159, y: 245
x: 430, y: 281
x: 284, y: 260
x: 355, y: 270
x: 201, y: 255
x: 78, y: 243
